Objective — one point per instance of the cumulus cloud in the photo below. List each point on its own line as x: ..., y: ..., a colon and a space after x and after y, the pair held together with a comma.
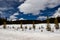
x: 2, y: 15
x: 34, y: 6
x: 41, y: 18
x: 16, y: 13
x: 9, y: 4
x: 56, y: 14
x: 21, y: 0
x: 13, y: 17
x: 0, y: 12
x: 22, y: 19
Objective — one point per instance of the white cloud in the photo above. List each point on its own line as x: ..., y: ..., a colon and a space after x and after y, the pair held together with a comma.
x: 12, y: 18
x: 16, y: 13
x: 56, y: 14
x: 21, y: 0
x: 41, y: 18
x: 34, y: 6
x: 5, y: 8
x: 22, y: 19
x: 0, y: 12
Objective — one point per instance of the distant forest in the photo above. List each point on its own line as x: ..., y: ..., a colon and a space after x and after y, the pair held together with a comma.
x: 51, y: 20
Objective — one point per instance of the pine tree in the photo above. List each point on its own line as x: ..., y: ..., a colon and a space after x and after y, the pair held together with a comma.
x: 13, y: 27
x: 21, y: 25
x: 33, y: 25
x: 29, y: 28
x: 4, y: 25
x: 25, y: 27
x: 42, y: 27
x: 56, y: 24
x: 48, y: 26
x: 39, y: 28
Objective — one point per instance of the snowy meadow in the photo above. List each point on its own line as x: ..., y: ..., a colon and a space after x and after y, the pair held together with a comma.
x: 15, y: 32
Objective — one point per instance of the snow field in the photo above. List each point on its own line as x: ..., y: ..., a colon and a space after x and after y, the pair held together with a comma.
x: 13, y: 34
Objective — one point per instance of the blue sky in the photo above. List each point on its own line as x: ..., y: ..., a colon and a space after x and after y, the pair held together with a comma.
x: 9, y: 8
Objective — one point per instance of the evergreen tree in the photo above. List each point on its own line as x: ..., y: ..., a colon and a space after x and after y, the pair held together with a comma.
x: 25, y: 27
x: 21, y: 25
x: 48, y: 28
x: 42, y: 27
x: 4, y: 25
x: 39, y: 28
x: 56, y: 24
x: 13, y: 27
x: 29, y: 28
x: 33, y: 25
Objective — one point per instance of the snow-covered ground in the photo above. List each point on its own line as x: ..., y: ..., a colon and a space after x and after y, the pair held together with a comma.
x: 13, y: 34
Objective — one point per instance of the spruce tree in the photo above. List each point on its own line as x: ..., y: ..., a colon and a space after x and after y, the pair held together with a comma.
x: 21, y: 25
x: 13, y: 27
x: 48, y: 28
x: 56, y: 24
x: 29, y: 28
x: 4, y: 25
x: 25, y: 27
x: 39, y: 28
x: 33, y: 25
